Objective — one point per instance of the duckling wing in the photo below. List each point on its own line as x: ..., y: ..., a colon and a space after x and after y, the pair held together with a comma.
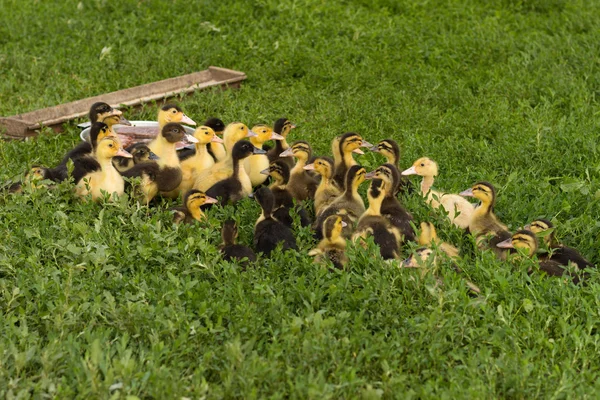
x: 84, y: 166
x: 82, y: 149
x: 398, y: 217
x: 269, y: 233
x: 459, y: 209
x: 148, y: 168
x: 565, y: 254
x: 238, y: 252
x: 227, y: 190
x: 208, y: 177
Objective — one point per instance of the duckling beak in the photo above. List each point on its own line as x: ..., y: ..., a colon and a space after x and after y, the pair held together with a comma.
x: 256, y: 150
x: 467, y: 193
x: 375, y: 149
x: 216, y: 139
x: 190, y: 139
x: 251, y: 195
x: 266, y: 171
x: 344, y: 224
x: 506, y: 244
x: 287, y: 153
x: 358, y: 151
x: 407, y: 263
x: 153, y: 156
x: 527, y: 227
x: 364, y: 143
x: 309, y: 167
x: 187, y: 120
x: 410, y: 171
x: 210, y: 200
x: 370, y: 175
x: 123, y: 153
x: 123, y: 121
x: 251, y: 134
x: 276, y: 136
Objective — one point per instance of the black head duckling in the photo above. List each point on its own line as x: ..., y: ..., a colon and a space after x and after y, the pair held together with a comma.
x: 216, y: 149
x: 391, y: 207
x: 191, y: 210
x: 268, y: 232
x: 255, y: 164
x: 391, y: 151
x: 141, y: 153
x: 527, y: 242
x: 333, y: 244
x: 302, y: 185
x: 283, y: 127
x: 327, y: 191
x: 232, y: 189
x: 232, y: 251
x: 343, y: 146
x: 103, y: 112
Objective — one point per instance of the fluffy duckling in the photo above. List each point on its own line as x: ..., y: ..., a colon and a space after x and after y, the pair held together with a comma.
x: 268, y: 232
x: 333, y: 244
x: 372, y: 223
x: 223, y: 169
x: 257, y: 163
x: 32, y: 178
x: 232, y: 251
x: 391, y: 207
x: 164, y: 175
x: 191, y: 210
x: 343, y: 146
x: 545, y: 229
x: 349, y: 204
x: 238, y: 185
x: 459, y: 209
x: 283, y: 127
x: 301, y: 185
x: 216, y: 149
x: 550, y: 264
x: 171, y: 113
x: 97, y: 175
x: 102, y: 112
x: 283, y: 199
x: 140, y: 153
x: 327, y: 191
x: 429, y: 237
x: 484, y: 222
x: 391, y: 151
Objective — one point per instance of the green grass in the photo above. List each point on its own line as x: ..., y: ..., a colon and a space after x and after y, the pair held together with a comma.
x: 100, y: 295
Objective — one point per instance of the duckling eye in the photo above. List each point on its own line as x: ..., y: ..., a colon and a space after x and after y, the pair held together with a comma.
x: 174, y: 111
x: 422, y: 164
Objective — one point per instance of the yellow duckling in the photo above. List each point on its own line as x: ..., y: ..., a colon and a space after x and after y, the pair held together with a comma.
x: 333, y: 244
x: 191, y: 210
x: 327, y: 191
x: 343, y: 146
x: 257, y: 163
x: 102, y: 112
x: 459, y: 209
x: 171, y: 113
x: 428, y: 237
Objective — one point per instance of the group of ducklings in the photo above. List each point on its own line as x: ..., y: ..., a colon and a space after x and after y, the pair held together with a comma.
x: 228, y: 169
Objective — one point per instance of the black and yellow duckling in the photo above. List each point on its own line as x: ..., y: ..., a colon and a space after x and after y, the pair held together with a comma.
x: 428, y: 237
x: 96, y: 174
x: 268, y: 232
x: 164, y: 174
x: 233, y: 188
x: 554, y: 265
x: 372, y: 223
x: 343, y: 146
x: 391, y: 208
x: 171, y: 113
x: 223, y: 169
x: 545, y: 229
x: 484, y: 224
x: 257, y: 163
x: 102, y: 112
x: 140, y: 153
x: 349, y: 204
x: 391, y: 151
x: 283, y: 199
x: 459, y: 209
x: 302, y: 185
x: 283, y: 127
x: 32, y: 178
x: 191, y: 210
x: 216, y: 149
x: 243, y: 255
x: 333, y: 244
x: 327, y: 191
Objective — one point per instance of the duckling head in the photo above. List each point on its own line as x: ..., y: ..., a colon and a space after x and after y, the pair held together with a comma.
x: 355, y: 176
x: 98, y: 131
x: 142, y: 153
x: 420, y: 257
x: 205, y: 134
x: 264, y: 197
x: 216, y: 124
x: 110, y: 147
x: 283, y: 126
x: 522, y: 240
x: 173, y: 113
x: 234, y: 132
x: 423, y: 167
x: 229, y: 232
x: 263, y: 133
x: 543, y: 229
x: 428, y: 234
x: 280, y: 172
x: 332, y: 227
x: 389, y: 149
x: 300, y: 150
x: 388, y: 172
x: 323, y: 165
x: 194, y: 199
x: 483, y: 191
x: 244, y: 148
x: 102, y: 112
x: 37, y: 173
x: 174, y: 132
x: 351, y: 142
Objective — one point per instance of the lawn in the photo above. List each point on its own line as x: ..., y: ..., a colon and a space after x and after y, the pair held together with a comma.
x: 112, y: 300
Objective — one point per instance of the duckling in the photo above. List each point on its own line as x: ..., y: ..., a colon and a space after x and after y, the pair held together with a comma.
x: 232, y: 251
x: 343, y: 146
x: 140, y: 154
x: 333, y: 244
x: 238, y: 185
x: 545, y: 229
x: 459, y: 210
x: 302, y: 185
x: 257, y: 163
x: 484, y: 222
x: 216, y: 149
x: 327, y: 191
x: 97, y: 175
x: 283, y: 127
x: 372, y: 223
x: 233, y: 133
x: 550, y: 264
x: 32, y: 178
x: 391, y: 208
x: 268, y: 232
x: 102, y: 112
x: 171, y: 113
x: 164, y: 175
x: 191, y: 210
x: 349, y: 204
x: 429, y: 237
x: 391, y: 151
x: 283, y: 199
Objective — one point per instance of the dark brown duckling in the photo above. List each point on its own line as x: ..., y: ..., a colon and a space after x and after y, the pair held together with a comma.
x: 302, y: 185
x: 140, y: 153
x: 232, y: 251
x: 283, y: 127
x: 333, y: 244
x: 190, y: 211
x: 391, y: 151
x: 268, y: 232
